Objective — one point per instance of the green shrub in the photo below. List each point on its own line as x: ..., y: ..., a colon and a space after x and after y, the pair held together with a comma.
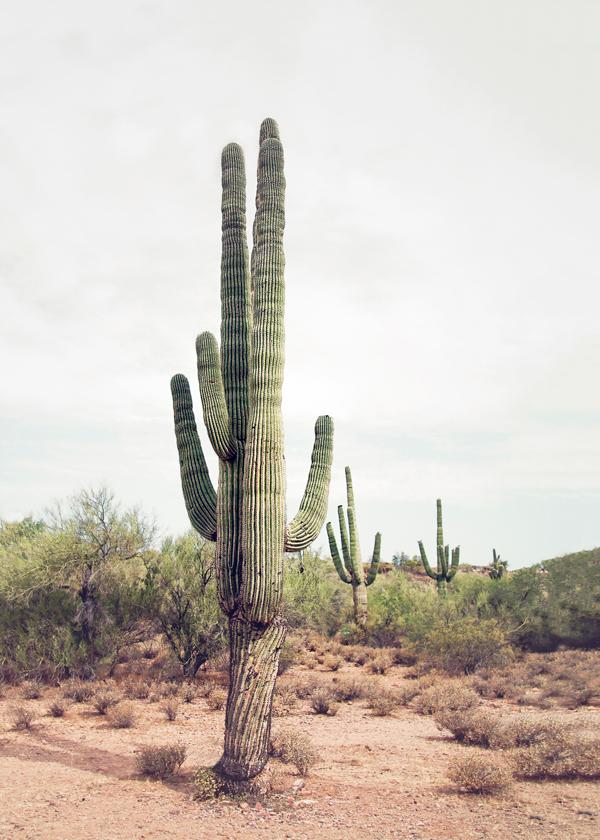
x: 160, y: 762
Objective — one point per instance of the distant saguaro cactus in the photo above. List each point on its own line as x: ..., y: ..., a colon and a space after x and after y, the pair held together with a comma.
x: 240, y: 392
x: 498, y: 566
x: 351, y: 569
x: 447, y: 566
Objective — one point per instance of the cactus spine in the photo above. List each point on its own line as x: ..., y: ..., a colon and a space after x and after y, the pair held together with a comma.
x: 498, y: 566
x: 351, y: 569
x: 447, y: 565
x: 240, y: 391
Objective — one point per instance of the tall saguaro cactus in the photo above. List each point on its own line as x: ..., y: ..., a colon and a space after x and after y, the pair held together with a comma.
x: 240, y: 391
x: 447, y: 566
x: 351, y: 569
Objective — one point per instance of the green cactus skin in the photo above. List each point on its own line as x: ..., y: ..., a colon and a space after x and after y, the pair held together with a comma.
x: 498, y: 567
x: 447, y: 565
x: 351, y: 569
x: 240, y: 391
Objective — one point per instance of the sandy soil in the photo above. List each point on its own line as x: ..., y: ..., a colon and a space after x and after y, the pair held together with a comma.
x: 75, y: 779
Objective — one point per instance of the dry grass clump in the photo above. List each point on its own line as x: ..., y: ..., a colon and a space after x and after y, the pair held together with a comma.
x: 479, y: 773
x: 284, y: 701
x: 332, y: 662
x: 446, y: 695
x: 137, y: 689
x: 160, y: 762
x: 470, y: 726
x: 563, y: 755
x: 382, y: 703
x: 295, y: 748
x: 122, y: 716
x: 322, y: 702
x: 408, y: 692
x: 168, y: 689
x: 349, y: 688
x: 56, y: 709
x: 31, y: 690
x: 304, y: 686
x: 170, y: 709
x: 205, y: 687
x: 78, y: 691
x: 216, y: 700
x: 526, y: 731
x: 188, y: 693
x: 381, y: 662
x: 22, y: 717
x: 103, y: 701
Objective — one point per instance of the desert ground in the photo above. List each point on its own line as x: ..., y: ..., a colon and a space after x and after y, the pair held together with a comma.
x: 76, y: 778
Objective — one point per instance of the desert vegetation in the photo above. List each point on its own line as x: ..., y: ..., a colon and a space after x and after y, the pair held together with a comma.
x: 151, y: 649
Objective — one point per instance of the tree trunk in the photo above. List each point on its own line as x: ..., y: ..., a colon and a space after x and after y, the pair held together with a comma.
x: 254, y: 658
x: 359, y: 597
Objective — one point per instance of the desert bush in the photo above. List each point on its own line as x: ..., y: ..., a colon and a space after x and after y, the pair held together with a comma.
x: 122, y: 716
x: 31, y: 690
x: 284, y: 700
x: 205, y: 687
x: 479, y: 773
x: 332, y: 662
x: 78, y: 691
x: 470, y: 726
x: 463, y: 644
x: 188, y: 693
x: 349, y: 688
x: 408, y: 692
x: 207, y: 785
x: 103, y: 701
x: 381, y: 663
x: 304, y: 686
x: 22, y: 717
x: 323, y: 703
x: 525, y: 731
x: 382, y: 702
x: 216, y: 700
x: 56, y: 709
x: 295, y: 748
x: 562, y: 755
x: 445, y: 695
x: 170, y: 709
x: 160, y: 762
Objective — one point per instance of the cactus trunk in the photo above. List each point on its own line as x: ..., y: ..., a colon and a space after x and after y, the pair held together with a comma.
x: 241, y: 390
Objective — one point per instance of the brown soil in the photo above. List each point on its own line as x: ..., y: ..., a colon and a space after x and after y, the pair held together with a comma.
x: 74, y: 778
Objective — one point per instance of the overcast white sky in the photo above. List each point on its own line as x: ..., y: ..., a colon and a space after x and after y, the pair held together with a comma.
x: 442, y: 251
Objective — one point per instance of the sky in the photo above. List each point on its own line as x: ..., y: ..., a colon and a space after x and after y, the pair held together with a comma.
x: 442, y: 263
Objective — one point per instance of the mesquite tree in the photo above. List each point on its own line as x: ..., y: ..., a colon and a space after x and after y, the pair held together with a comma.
x: 240, y: 391
x: 351, y: 569
x: 447, y: 565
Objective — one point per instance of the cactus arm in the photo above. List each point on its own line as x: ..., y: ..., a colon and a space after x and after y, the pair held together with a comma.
x: 198, y: 491
x: 442, y: 562
x: 335, y: 555
x: 212, y: 394
x: 264, y: 478
x: 344, y: 539
x: 374, y: 567
x: 357, y: 567
x: 305, y: 526
x: 428, y: 570
x: 455, y: 561
x: 236, y: 310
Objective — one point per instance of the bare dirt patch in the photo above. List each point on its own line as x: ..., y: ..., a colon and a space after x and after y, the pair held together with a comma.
x: 76, y: 777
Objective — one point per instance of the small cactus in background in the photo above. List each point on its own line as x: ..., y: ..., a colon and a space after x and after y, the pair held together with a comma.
x: 351, y: 569
x: 241, y: 391
x: 447, y: 565
x: 498, y: 566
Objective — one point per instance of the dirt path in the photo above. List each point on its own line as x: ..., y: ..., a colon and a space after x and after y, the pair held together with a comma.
x: 75, y: 779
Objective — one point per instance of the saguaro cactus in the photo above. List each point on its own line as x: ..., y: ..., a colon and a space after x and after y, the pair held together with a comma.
x: 351, y: 569
x: 498, y: 566
x: 447, y: 566
x: 240, y: 393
